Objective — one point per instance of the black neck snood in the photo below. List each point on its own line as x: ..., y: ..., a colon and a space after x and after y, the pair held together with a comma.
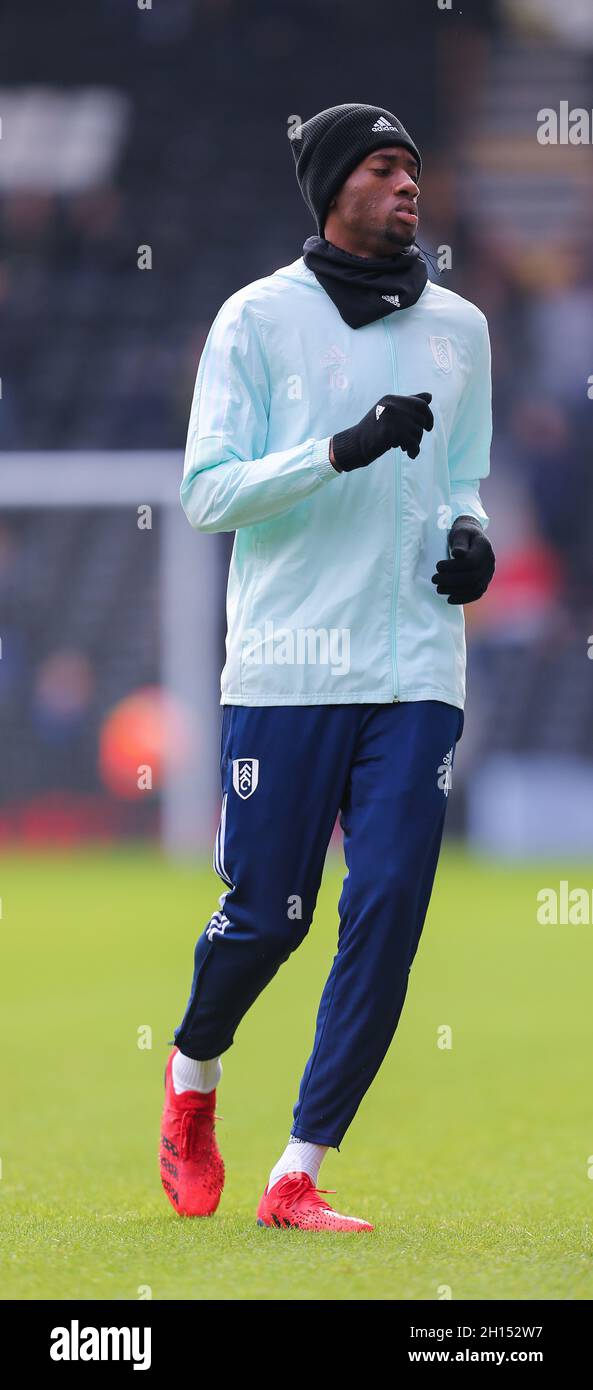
x: 364, y: 290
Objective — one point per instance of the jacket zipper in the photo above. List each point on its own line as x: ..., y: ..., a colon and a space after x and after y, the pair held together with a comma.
x: 397, y: 532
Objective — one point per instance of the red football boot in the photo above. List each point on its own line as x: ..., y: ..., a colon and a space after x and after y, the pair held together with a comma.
x: 192, y: 1170
x: 295, y: 1201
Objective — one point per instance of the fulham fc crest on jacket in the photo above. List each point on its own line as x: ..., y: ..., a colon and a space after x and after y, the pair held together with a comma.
x: 245, y: 776
x: 442, y: 353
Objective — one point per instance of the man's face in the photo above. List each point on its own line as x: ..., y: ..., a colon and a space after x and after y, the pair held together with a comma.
x: 377, y: 204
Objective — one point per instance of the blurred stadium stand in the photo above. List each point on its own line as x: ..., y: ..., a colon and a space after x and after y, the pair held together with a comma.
x: 181, y: 113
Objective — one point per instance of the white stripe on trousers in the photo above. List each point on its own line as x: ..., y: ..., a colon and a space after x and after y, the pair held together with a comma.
x: 218, y: 857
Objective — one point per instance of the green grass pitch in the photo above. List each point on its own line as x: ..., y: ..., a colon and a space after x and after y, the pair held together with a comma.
x: 472, y: 1161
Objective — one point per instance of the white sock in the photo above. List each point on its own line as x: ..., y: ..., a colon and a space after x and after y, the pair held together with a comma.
x: 189, y: 1075
x: 299, y: 1157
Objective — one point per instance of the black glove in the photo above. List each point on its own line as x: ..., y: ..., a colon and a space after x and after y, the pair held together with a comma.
x: 466, y: 576
x: 395, y: 422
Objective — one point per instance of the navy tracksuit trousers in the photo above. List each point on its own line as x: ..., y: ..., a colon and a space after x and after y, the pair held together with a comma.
x: 287, y: 772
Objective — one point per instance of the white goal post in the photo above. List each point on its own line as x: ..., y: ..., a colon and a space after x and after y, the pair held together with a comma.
x: 190, y: 601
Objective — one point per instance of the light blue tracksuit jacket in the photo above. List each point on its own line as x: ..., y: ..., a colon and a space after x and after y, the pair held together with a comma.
x: 330, y: 598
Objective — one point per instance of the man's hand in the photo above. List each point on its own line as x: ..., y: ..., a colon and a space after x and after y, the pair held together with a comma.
x: 466, y: 576
x: 395, y: 422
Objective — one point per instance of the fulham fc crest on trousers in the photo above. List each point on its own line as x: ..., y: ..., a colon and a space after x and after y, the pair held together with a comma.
x: 245, y: 776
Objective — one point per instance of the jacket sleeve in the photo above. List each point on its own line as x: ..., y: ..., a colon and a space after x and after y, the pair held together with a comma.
x: 229, y: 480
x: 471, y: 436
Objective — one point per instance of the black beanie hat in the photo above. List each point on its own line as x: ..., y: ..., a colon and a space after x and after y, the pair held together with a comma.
x: 328, y: 147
